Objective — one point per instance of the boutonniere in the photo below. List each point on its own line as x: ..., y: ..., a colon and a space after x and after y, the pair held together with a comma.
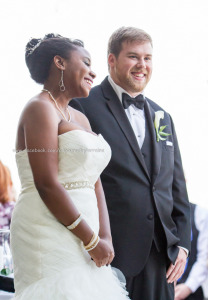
x: 161, y: 135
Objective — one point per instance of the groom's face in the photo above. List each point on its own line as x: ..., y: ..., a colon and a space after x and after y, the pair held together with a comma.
x: 132, y: 68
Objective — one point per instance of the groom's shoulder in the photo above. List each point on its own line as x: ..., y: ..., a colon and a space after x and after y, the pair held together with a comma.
x: 98, y: 90
x: 96, y: 95
x: 157, y: 107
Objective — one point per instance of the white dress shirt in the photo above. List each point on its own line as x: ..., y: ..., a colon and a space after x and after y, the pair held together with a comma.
x: 199, y: 271
x: 135, y: 115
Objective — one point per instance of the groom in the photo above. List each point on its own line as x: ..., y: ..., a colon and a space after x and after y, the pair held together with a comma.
x: 144, y: 182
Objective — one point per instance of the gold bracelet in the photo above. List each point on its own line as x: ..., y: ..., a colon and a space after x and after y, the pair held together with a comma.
x: 75, y: 223
x: 95, y: 244
x: 92, y: 244
x: 92, y: 241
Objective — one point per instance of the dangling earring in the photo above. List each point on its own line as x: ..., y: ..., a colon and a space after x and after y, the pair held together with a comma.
x: 61, y: 82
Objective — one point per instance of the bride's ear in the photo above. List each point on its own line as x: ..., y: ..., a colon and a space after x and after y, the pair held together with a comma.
x: 59, y: 62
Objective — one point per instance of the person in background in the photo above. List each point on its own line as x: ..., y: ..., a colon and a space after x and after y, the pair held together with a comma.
x: 196, y: 272
x: 7, y: 197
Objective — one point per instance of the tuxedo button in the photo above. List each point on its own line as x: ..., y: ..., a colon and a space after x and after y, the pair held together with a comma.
x: 153, y: 188
x: 150, y: 217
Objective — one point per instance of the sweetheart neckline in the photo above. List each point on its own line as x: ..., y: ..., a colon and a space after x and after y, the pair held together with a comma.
x: 96, y: 135
x: 70, y: 131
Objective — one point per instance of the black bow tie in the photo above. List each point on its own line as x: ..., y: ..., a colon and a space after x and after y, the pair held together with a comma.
x: 138, y: 101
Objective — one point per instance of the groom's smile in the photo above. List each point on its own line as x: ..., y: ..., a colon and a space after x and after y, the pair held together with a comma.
x: 139, y: 76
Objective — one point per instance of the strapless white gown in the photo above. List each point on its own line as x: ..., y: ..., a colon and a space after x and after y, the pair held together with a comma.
x: 50, y: 262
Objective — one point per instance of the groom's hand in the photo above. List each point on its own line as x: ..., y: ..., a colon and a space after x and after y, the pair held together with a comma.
x: 175, y: 271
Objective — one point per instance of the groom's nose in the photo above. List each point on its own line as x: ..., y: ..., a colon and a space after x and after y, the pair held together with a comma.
x: 141, y: 63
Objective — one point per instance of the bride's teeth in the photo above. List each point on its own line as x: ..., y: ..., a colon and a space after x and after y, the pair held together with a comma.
x: 89, y: 82
x: 140, y: 75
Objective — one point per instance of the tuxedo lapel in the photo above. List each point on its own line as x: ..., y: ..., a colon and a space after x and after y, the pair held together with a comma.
x: 119, y: 114
x: 157, y: 146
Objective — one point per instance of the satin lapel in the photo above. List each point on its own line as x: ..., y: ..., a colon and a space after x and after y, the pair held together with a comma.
x: 118, y: 112
x: 157, y: 146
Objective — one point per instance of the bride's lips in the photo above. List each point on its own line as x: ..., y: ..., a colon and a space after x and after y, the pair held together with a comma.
x: 138, y: 75
x: 89, y: 81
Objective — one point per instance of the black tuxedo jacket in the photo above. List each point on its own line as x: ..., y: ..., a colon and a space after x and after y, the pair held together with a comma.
x: 134, y: 198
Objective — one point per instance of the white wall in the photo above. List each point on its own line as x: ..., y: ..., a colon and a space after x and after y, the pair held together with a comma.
x: 179, y: 83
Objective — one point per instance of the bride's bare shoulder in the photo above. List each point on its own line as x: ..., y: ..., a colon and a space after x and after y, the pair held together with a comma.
x: 38, y: 106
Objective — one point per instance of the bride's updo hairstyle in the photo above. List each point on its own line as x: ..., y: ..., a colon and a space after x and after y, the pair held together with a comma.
x: 39, y: 54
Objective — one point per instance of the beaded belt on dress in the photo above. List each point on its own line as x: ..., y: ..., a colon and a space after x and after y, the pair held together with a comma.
x: 78, y: 185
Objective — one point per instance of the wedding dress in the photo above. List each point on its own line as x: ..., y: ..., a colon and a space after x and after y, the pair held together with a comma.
x: 50, y: 262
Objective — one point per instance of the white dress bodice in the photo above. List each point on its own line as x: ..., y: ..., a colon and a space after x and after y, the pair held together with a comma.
x: 82, y: 158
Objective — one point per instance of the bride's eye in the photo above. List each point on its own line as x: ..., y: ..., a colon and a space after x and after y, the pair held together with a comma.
x: 87, y: 63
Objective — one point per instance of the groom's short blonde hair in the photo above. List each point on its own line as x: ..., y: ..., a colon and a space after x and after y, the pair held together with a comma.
x: 129, y: 34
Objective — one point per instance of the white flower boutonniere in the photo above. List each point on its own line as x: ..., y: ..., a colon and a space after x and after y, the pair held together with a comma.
x: 161, y: 135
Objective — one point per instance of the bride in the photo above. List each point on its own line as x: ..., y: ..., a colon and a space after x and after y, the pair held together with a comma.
x: 60, y: 233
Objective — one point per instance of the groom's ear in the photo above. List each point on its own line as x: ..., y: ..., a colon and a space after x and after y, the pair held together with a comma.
x: 111, y: 60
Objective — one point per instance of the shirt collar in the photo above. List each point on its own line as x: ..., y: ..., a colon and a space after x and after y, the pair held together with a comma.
x: 119, y: 90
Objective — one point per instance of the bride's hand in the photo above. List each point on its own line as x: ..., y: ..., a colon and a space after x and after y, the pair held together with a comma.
x: 112, y: 250
x: 103, y: 253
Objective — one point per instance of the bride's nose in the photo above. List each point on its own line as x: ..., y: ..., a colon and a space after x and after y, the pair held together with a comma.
x: 92, y: 74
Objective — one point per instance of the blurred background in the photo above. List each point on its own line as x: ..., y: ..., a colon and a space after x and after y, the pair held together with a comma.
x: 180, y: 73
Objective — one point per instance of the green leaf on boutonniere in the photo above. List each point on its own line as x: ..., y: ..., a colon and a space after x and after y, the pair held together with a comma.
x: 159, y: 129
x: 164, y: 133
x: 162, y: 139
x: 162, y: 128
x: 5, y: 271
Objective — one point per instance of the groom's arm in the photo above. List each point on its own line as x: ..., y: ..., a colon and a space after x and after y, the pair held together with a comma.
x: 181, y: 206
x: 180, y: 214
